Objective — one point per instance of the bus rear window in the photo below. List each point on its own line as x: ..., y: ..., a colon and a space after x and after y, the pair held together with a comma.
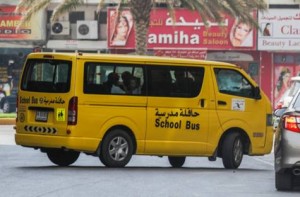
x: 42, y: 75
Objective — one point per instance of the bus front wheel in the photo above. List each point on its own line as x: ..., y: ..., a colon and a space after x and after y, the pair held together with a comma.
x: 232, y: 151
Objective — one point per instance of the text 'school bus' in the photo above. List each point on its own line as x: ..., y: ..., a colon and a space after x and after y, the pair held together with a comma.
x: 115, y: 106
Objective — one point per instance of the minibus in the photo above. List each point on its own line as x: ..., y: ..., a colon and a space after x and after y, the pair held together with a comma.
x: 116, y: 106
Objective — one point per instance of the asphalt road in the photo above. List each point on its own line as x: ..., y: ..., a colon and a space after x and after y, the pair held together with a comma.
x: 27, y: 172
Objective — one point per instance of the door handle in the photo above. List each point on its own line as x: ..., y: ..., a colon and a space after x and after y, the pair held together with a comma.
x: 222, y: 103
x: 202, y: 102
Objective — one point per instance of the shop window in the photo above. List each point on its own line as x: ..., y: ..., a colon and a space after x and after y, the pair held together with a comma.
x: 284, y: 6
x: 283, y: 59
x: 297, y: 60
x: 75, y: 16
x: 102, y: 17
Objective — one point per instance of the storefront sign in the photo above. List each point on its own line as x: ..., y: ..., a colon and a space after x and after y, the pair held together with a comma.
x: 229, y: 56
x: 280, y: 30
x: 92, y: 45
x: 186, y: 31
x: 192, y: 53
x: 9, y: 21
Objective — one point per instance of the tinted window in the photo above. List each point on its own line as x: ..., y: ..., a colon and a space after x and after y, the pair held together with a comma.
x: 233, y: 83
x: 103, y: 78
x: 174, y: 81
x: 47, y: 76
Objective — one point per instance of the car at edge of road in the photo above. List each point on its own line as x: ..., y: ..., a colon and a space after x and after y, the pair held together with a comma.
x: 287, y: 145
x: 8, y: 98
x: 286, y: 98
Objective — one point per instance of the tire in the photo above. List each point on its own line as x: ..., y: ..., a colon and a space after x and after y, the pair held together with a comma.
x: 232, y: 151
x: 283, y: 181
x: 6, y: 107
x: 116, y: 149
x: 176, y: 162
x: 61, y: 157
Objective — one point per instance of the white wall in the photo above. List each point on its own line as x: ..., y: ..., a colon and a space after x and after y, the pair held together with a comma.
x: 89, y: 12
x: 9, y: 2
x: 284, y: 1
x: 14, y: 2
x: 88, y: 1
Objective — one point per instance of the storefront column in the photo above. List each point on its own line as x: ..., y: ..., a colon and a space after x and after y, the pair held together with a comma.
x: 266, y: 71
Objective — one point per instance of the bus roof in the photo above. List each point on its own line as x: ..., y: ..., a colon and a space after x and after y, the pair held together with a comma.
x: 129, y: 58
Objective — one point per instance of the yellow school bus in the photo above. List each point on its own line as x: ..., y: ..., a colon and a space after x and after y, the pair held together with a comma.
x: 116, y: 106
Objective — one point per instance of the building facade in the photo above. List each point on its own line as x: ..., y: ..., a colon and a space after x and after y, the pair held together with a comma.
x: 267, y: 54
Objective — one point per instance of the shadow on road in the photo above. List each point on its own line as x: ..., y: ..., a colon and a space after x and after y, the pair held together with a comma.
x: 143, y: 168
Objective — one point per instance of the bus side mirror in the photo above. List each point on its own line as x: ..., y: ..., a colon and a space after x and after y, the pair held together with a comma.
x: 257, y: 94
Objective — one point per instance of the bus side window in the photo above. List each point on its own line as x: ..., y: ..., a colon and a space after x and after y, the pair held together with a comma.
x: 160, y: 82
x: 187, y: 81
x: 198, y: 76
x: 233, y: 83
x: 92, y: 79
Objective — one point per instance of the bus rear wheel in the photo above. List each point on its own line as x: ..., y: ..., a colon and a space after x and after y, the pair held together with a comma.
x: 116, y: 149
x: 176, y: 162
x: 62, y: 157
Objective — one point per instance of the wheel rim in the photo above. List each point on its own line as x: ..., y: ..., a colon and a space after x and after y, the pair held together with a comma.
x: 238, y: 151
x: 118, y: 148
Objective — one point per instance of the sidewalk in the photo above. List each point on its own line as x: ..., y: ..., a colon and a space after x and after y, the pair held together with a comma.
x: 7, y: 121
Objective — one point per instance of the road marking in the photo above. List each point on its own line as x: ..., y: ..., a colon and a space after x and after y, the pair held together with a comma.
x: 263, y: 161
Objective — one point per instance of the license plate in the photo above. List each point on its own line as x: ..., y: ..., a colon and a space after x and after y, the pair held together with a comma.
x: 41, y: 116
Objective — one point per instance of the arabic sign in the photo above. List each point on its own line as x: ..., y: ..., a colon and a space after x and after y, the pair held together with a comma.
x: 41, y: 100
x: 280, y: 30
x: 186, y: 31
x: 9, y: 20
x: 177, y: 119
x: 188, y: 53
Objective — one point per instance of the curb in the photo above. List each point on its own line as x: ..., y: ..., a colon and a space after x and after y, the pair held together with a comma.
x: 7, y: 121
